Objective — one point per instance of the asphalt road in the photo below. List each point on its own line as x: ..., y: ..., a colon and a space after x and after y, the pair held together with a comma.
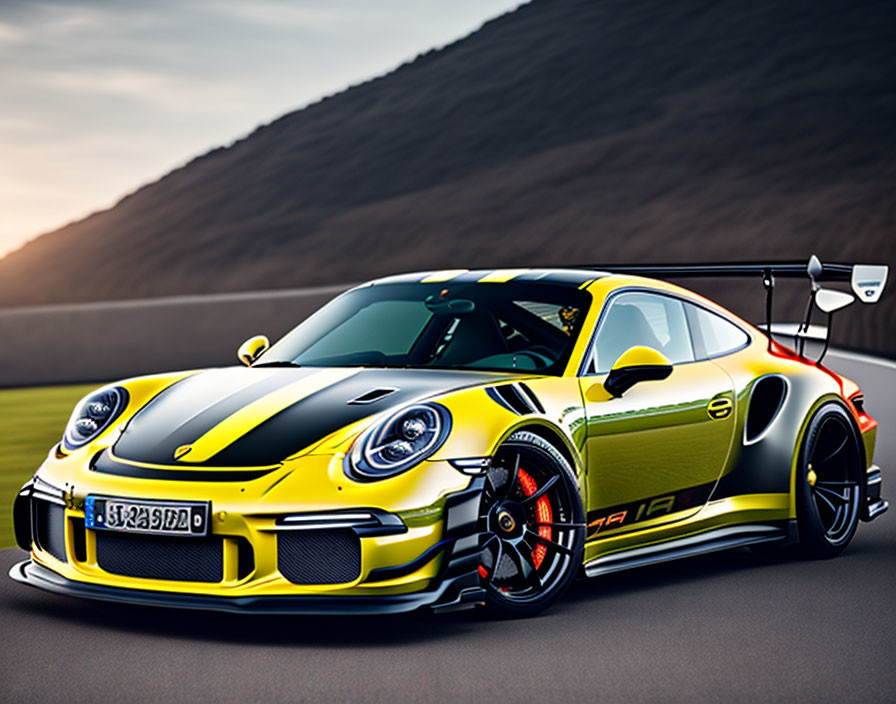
x: 723, y: 627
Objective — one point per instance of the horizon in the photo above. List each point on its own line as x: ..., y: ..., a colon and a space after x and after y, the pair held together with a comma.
x: 94, y: 115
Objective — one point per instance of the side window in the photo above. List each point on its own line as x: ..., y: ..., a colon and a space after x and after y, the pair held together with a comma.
x: 715, y: 335
x: 646, y: 319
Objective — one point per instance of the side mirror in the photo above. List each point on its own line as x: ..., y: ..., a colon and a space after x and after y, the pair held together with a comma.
x: 635, y: 365
x: 252, y: 348
x: 830, y: 300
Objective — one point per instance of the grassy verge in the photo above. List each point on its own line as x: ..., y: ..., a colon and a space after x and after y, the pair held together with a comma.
x: 31, y: 422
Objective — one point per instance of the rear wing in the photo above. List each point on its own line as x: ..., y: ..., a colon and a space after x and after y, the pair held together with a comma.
x: 866, y: 280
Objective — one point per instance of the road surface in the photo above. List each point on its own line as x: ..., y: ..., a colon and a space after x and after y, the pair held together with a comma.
x: 725, y: 627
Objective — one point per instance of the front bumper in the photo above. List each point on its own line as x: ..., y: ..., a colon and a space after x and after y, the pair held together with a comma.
x: 874, y: 504
x: 452, y: 593
x: 430, y: 558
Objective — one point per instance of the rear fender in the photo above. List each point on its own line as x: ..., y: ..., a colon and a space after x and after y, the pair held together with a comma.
x: 767, y: 465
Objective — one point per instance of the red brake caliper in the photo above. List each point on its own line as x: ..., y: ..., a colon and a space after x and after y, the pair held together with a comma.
x: 542, y: 512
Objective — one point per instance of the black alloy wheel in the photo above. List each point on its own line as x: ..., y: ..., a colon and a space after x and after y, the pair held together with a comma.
x: 533, y: 527
x: 829, y: 482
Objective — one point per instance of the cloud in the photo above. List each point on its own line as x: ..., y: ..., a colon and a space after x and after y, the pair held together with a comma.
x: 100, y: 96
x: 279, y: 14
x: 17, y: 125
x: 163, y: 90
x: 10, y: 34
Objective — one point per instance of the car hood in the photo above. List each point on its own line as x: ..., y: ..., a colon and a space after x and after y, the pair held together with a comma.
x: 252, y: 417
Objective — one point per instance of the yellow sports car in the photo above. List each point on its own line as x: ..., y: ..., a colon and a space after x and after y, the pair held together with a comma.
x: 459, y: 438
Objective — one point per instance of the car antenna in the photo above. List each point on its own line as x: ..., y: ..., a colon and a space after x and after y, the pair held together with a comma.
x: 814, y: 269
x: 768, y: 283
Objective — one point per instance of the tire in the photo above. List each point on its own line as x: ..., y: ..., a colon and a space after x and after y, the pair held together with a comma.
x: 533, y: 526
x: 829, y: 487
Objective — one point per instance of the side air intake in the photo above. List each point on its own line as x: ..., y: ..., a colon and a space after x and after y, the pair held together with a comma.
x: 516, y: 397
x: 766, y: 400
x: 49, y: 524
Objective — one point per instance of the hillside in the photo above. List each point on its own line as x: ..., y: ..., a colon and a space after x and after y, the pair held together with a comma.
x: 568, y: 131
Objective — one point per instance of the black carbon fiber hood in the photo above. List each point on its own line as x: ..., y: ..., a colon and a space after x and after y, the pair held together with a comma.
x: 185, y: 411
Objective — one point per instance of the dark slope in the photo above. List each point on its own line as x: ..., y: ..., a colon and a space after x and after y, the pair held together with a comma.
x: 563, y: 132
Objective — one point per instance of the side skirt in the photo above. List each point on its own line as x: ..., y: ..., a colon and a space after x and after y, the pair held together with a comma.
x: 709, y: 541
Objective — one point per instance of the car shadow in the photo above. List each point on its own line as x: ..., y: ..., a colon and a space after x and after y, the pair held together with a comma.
x: 666, y: 575
x: 699, y: 568
x: 377, y: 630
x: 246, y: 629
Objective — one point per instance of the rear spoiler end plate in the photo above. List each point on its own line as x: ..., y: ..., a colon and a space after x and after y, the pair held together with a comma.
x: 868, y: 281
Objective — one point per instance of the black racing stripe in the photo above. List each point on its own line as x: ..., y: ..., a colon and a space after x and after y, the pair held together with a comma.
x: 468, y: 277
x: 564, y: 277
x: 107, y: 465
x: 184, y: 412
x: 568, y: 277
x: 188, y: 410
x: 328, y: 410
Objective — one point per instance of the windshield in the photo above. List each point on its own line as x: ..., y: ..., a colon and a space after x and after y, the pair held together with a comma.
x: 490, y: 326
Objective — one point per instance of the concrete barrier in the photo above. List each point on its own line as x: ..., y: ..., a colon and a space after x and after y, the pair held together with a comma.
x: 62, y: 344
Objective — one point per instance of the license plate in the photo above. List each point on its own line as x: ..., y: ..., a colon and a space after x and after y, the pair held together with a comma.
x: 146, y: 516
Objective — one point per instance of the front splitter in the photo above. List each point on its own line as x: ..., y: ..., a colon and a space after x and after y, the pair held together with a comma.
x: 450, y: 594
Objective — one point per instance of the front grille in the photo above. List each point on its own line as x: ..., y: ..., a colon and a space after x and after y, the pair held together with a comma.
x: 319, y: 556
x: 161, y: 557
x: 245, y: 562
x: 79, y: 539
x: 49, y: 528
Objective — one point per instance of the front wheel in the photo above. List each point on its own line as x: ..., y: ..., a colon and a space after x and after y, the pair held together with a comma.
x: 829, y: 486
x: 533, y: 525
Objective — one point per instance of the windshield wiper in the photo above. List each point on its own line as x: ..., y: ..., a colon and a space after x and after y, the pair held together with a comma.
x: 277, y: 364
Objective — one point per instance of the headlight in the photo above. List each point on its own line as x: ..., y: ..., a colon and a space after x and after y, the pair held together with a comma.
x: 93, y: 415
x: 399, y: 442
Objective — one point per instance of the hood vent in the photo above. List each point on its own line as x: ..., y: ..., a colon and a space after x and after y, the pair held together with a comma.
x: 373, y: 395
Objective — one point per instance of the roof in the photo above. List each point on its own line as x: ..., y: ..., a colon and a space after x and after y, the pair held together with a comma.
x: 568, y: 277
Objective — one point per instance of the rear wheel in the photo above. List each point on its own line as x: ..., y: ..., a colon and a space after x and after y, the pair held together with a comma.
x: 533, y: 527
x: 828, y: 483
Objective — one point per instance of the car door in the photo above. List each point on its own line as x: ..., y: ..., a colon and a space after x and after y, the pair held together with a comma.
x: 655, y: 453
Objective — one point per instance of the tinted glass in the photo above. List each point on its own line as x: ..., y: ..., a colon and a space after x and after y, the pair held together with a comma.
x: 642, y: 319
x: 717, y: 334
x: 496, y: 326
x: 388, y: 326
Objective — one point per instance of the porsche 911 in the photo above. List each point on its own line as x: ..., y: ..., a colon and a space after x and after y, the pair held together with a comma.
x: 453, y: 439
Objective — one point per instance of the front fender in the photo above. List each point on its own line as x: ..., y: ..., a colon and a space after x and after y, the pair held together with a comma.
x: 481, y: 423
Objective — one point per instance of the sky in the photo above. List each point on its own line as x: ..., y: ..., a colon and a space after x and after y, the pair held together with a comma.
x: 99, y: 97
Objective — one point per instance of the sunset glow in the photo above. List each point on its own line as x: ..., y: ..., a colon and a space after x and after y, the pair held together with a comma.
x: 102, y: 97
